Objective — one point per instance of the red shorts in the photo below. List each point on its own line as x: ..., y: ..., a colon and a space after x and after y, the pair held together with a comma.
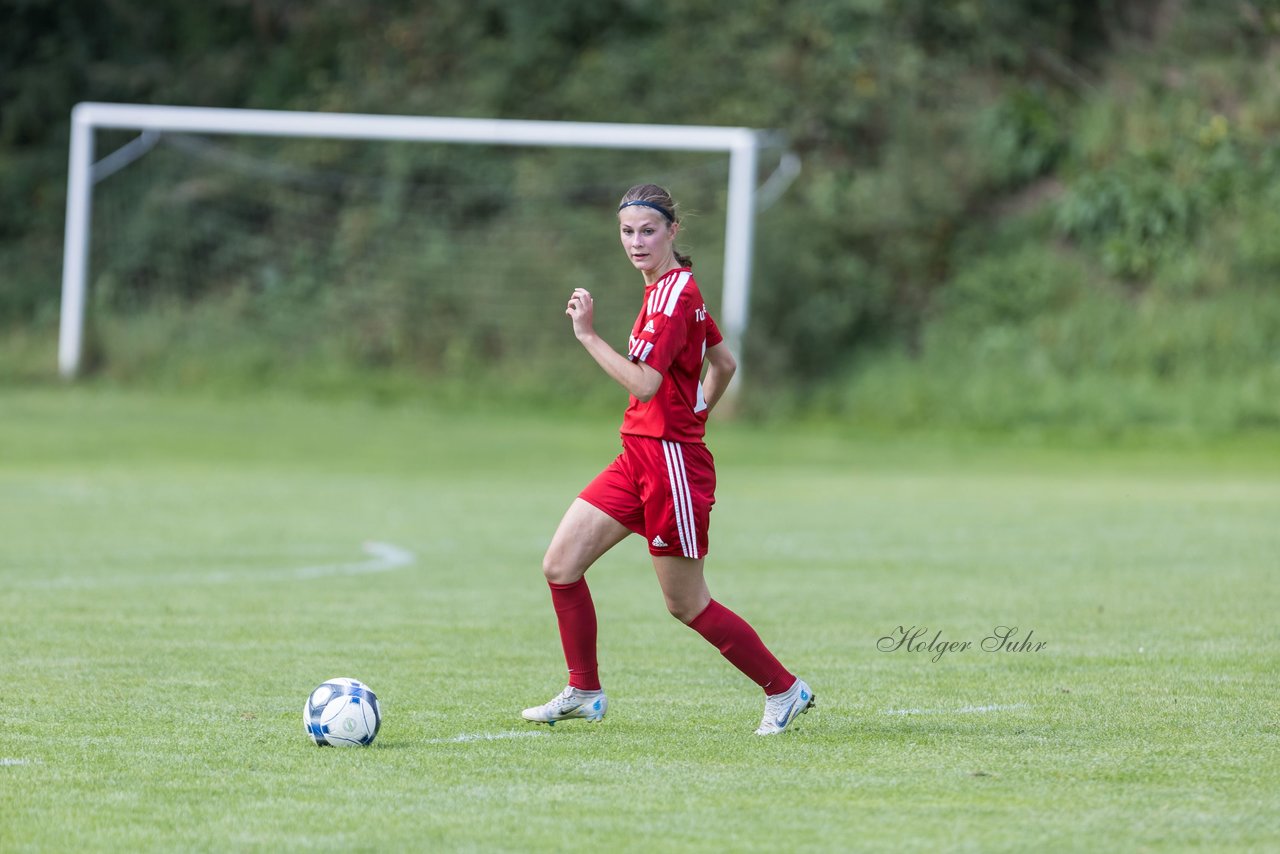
x: 661, y: 490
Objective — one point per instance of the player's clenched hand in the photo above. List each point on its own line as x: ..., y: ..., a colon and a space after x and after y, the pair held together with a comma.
x: 581, y: 310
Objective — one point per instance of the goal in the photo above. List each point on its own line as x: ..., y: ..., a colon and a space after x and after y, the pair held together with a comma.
x: 253, y: 148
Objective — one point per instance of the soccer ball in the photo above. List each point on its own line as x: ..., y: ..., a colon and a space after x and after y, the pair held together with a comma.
x: 342, y: 713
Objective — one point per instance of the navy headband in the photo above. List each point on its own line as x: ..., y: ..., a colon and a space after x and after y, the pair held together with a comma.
x: 657, y: 207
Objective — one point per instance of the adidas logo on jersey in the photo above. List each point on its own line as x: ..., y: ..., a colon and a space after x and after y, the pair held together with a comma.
x: 648, y: 327
x: 658, y: 543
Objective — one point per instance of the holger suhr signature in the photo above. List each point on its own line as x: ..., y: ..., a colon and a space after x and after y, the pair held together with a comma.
x: 916, y: 639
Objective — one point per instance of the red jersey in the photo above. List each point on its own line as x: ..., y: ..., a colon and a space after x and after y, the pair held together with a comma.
x: 672, y: 335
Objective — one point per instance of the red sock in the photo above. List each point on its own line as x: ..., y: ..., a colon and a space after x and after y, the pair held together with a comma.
x: 739, y: 643
x: 576, y: 614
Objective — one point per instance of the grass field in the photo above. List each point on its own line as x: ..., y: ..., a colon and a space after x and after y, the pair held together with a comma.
x: 177, y: 574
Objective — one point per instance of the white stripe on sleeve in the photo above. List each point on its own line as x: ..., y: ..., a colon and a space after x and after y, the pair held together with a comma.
x: 659, y: 291
x: 673, y: 295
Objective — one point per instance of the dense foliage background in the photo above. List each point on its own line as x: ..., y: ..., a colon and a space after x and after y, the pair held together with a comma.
x: 1012, y: 213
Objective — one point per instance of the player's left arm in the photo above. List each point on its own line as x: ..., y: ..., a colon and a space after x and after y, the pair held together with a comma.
x: 721, y: 366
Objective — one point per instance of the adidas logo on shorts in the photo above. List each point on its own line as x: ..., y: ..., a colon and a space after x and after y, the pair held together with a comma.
x: 648, y: 327
x: 658, y: 543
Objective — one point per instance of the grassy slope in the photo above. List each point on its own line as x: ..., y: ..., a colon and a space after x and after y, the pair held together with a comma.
x: 158, y: 640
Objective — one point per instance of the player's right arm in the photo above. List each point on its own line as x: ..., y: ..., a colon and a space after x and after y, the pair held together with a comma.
x: 636, y: 377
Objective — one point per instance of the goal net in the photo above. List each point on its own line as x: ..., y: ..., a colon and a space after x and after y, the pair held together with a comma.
x: 211, y: 252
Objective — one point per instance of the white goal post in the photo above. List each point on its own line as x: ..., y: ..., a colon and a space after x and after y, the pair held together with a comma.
x: 741, y: 144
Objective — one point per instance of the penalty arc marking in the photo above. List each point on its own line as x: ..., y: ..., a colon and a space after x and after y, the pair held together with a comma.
x: 383, y: 557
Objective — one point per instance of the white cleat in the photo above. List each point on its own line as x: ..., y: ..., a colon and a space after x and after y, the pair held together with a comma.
x: 781, y: 710
x: 570, y: 703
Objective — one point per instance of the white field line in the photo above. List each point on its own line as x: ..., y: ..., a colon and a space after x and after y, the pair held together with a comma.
x: 6, y: 761
x: 963, y: 710
x: 485, y: 736
x: 384, y: 557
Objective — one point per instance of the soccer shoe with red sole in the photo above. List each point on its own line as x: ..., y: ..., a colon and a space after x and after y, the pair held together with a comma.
x: 569, y: 704
x: 781, y: 710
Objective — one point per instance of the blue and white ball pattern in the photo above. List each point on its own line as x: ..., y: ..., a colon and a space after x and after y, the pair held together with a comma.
x: 342, y: 713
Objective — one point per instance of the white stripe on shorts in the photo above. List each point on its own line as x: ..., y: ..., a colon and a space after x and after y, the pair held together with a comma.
x: 681, y: 499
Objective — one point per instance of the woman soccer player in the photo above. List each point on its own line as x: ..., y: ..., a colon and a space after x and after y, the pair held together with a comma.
x: 663, y: 484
